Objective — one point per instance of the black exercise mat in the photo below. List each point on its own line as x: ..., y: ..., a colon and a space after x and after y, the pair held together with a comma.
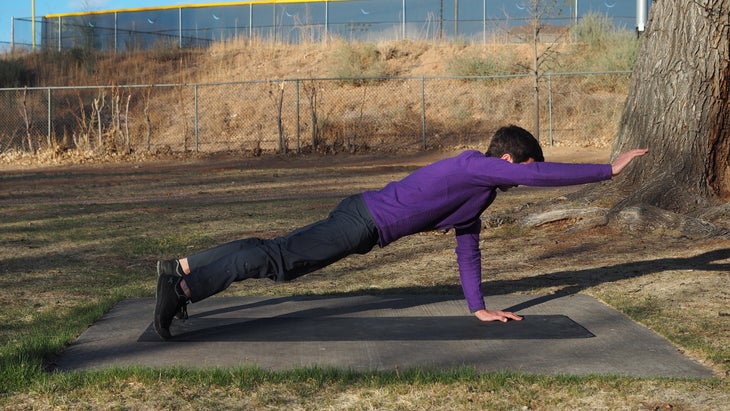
x: 442, y: 328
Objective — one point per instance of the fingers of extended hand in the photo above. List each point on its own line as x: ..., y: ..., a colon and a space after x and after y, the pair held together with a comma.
x: 625, y: 158
x: 638, y: 152
x: 510, y: 316
x: 632, y: 154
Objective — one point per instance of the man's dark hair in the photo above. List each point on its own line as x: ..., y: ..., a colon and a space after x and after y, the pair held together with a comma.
x: 517, y: 142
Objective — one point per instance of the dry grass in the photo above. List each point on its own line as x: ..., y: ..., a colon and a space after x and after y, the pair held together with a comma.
x: 352, y: 115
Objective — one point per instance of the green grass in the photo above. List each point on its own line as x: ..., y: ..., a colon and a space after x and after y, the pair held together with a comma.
x: 326, y: 388
x: 24, y: 360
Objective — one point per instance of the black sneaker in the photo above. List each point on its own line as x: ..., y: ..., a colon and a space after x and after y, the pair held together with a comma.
x: 170, y: 302
x: 172, y: 267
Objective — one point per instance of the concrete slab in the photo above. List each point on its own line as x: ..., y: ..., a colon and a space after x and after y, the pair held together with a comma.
x: 573, y: 334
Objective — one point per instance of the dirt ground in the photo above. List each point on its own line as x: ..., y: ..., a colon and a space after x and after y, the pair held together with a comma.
x: 676, y: 285
x: 28, y: 174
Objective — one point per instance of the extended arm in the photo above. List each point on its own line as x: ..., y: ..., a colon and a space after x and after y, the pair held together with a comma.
x: 467, y: 250
x: 493, y: 172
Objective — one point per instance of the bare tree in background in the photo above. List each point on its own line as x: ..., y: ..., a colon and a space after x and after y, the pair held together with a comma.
x: 539, y: 13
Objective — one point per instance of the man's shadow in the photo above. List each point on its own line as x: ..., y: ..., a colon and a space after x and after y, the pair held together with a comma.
x: 572, y: 282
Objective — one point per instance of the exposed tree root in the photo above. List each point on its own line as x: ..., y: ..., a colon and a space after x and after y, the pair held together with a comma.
x: 638, y: 219
x: 583, y: 217
x: 644, y: 217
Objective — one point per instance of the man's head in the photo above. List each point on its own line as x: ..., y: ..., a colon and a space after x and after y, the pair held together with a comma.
x: 519, y: 143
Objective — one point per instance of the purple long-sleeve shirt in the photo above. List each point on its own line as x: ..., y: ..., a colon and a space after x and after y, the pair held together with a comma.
x: 454, y: 192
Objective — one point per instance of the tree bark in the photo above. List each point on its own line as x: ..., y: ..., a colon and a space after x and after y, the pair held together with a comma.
x: 678, y: 107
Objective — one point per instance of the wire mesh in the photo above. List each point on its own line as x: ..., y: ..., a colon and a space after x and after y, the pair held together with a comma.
x: 312, y: 115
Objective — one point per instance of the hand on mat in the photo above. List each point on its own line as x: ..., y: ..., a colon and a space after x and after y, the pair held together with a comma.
x: 504, y: 316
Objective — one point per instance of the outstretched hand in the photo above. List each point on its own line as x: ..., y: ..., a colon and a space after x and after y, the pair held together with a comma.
x: 624, y: 159
x: 504, y: 316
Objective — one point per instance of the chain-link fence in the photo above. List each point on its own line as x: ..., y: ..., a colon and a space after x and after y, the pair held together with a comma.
x: 305, y: 115
x: 296, y: 21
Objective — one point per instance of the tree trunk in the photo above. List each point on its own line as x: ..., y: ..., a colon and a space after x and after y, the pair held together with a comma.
x: 678, y: 107
x: 536, y: 66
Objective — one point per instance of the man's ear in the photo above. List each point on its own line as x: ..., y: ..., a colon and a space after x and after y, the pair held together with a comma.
x: 507, y: 157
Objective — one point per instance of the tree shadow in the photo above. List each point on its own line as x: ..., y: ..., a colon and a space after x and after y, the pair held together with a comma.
x: 576, y: 281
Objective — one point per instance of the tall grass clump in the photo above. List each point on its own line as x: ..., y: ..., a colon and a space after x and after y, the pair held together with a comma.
x: 594, y: 29
x: 605, y: 46
x: 357, y: 62
x: 66, y: 67
x: 166, y: 51
x: 14, y: 73
x: 494, y: 63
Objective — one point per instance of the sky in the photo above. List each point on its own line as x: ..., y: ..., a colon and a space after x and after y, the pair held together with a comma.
x: 23, y: 9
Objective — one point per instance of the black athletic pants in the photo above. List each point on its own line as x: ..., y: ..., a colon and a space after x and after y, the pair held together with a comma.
x: 348, y: 229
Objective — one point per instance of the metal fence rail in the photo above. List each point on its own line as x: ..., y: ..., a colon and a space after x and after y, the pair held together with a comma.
x: 304, y: 115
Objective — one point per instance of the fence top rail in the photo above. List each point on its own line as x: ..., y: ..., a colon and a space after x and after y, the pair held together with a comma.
x: 290, y: 80
x: 587, y: 73
x: 184, y: 6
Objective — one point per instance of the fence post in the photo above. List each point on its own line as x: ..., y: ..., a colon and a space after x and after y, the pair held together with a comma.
x: 456, y: 19
x: 116, y: 31
x: 550, y: 106
x: 404, y: 20
x: 195, y: 115
x: 326, y: 20
x: 179, y: 28
x: 297, y: 105
x: 484, y: 21
x: 423, y: 111
x: 48, y: 136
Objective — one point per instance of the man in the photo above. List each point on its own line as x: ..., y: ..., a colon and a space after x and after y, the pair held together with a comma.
x: 448, y: 194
